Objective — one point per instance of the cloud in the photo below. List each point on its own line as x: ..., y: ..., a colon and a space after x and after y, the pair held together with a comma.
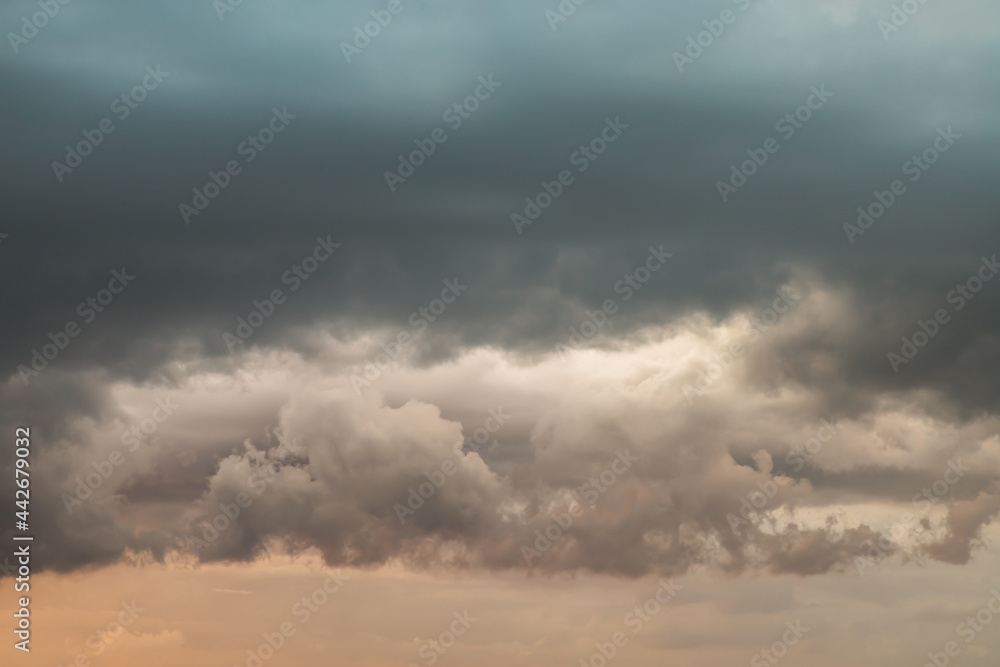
x: 964, y: 526
x: 281, y: 410
x: 290, y: 457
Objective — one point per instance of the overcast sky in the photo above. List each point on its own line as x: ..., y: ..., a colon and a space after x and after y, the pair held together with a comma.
x: 703, y: 289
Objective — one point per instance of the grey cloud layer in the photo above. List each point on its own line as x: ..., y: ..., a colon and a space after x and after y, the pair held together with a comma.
x: 320, y: 467
x: 656, y: 185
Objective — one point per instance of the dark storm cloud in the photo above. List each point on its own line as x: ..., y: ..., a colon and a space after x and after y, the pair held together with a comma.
x: 324, y: 174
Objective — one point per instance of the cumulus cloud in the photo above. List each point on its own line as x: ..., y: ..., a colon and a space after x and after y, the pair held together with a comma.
x: 699, y: 372
x: 606, y: 464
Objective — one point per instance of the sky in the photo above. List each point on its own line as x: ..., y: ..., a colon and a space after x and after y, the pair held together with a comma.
x: 416, y: 332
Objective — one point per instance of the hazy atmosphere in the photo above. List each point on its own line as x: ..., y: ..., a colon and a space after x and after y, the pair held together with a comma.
x: 558, y: 332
